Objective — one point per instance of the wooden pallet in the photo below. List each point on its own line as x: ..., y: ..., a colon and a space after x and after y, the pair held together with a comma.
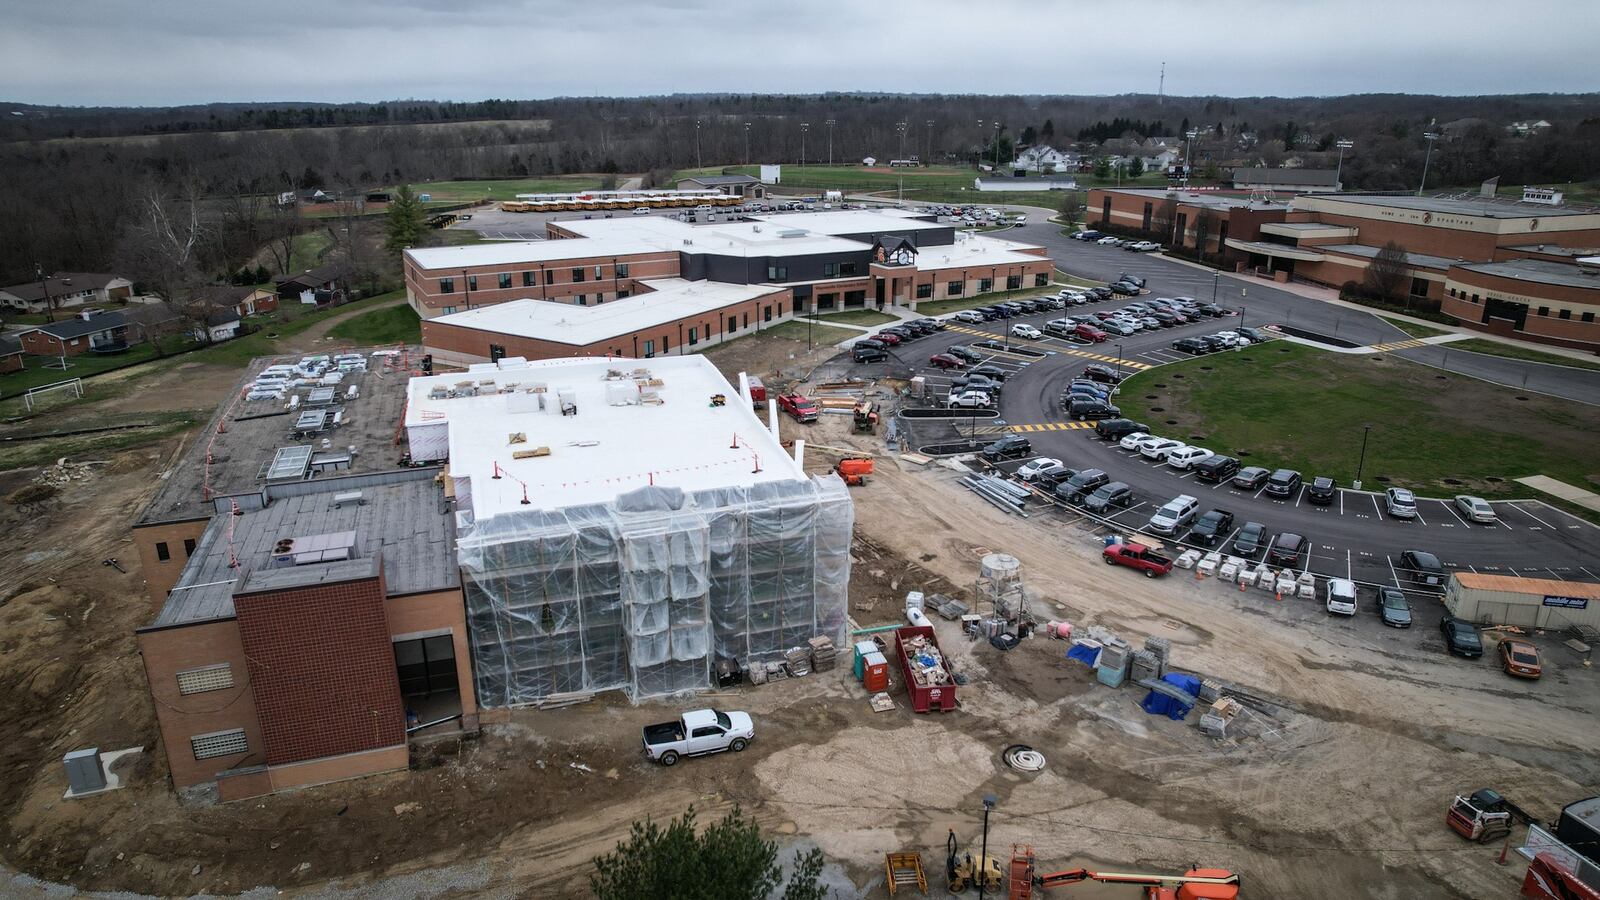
x: 904, y: 869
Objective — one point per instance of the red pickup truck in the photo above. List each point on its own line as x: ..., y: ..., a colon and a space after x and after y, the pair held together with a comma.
x: 1138, y: 556
x: 801, y: 408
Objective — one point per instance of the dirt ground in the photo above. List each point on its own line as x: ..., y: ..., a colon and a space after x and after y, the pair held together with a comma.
x: 1341, y: 795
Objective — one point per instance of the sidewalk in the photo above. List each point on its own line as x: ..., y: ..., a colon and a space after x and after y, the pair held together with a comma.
x: 1568, y: 492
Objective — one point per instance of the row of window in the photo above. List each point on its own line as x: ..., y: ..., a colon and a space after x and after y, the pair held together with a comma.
x: 838, y: 269
x: 1541, y: 311
x: 164, y: 552
x: 580, y: 299
x: 531, y: 279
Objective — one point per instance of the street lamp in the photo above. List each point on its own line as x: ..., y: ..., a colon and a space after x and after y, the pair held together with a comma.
x: 829, y: 123
x: 1119, y: 361
x: 1425, y: 160
x: 1366, y: 431
x: 747, y: 143
x: 979, y: 161
x: 997, y: 130
x: 1338, y: 172
x: 697, y: 162
x: 929, y: 149
x: 901, y: 128
x: 1215, y: 278
x: 804, y: 127
x: 989, y: 800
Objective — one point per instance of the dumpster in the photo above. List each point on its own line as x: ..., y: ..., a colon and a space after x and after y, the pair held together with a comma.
x: 929, y: 681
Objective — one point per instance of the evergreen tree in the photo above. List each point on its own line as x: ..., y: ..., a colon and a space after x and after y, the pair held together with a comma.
x: 406, y: 225
x: 728, y: 861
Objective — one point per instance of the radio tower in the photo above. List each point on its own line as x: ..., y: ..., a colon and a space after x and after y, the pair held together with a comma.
x: 1161, y: 91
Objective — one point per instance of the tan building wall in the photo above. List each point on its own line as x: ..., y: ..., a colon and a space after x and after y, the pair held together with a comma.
x: 1466, y: 294
x: 168, y: 651
x: 538, y: 281
x: 416, y: 615
x: 161, y: 574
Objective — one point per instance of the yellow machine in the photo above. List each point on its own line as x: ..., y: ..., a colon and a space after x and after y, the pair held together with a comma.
x: 964, y: 871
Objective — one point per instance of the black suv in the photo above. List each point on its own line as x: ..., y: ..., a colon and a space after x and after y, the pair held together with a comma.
x: 1106, y: 496
x: 1216, y: 467
x: 1321, y: 491
x: 868, y: 354
x: 1250, y: 539
x: 1191, y: 345
x: 1117, y: 429
x: 964, y: 353
x: 1083, y: 482
x: 1091, y: 410
x: 1102, y: 374
x: 1131, y: 279
x: 1422, y: 566
x: 1211, y: 527
x: 993, y: 373
x: 1285, y: 549
x: 1009, y: 447
x: 1283, y: 483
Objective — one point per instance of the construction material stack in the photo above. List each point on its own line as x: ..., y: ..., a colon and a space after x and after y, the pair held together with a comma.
x: 1146, y: 666
x: 1219, y: 716
x: 1162, y: 649
x: 822, y: 653
x: 1116, y: 657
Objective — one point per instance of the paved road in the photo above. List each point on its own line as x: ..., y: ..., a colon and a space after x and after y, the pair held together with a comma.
x: 1351, y: 538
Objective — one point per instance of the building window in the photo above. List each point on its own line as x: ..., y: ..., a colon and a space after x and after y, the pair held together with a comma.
x: 1586, y: 317
x: 447, y: 285
x: 163, y: 553
x: 1419, y: 287
x: 505, y: 280
x: 622, y: 294
x: 777, y: 273
x: 830, y: 270
x: 583, y: 299
x: 549, y: 276
x: 622, y: 270
x: 953, y: 289
x: 1013, y: 282
x: 596, y: 273
x: 218, y: 743
x: 472, y: 283
x: 847, y: 268
x: 985, y: 285
x: 1566, y: 314
x: 666, y: 343
x: 733, y: 325
x: 497, y: 352
x: 1544, y: 310
x: 449, y: 309
x: 747, y: 320
x: 694, y: 336
x: 206, y: 678
x: 766, y: 313
x: 924, y: 291
x: 599, y: 298
x: 527, y: 279
x: 1474, y: 297
x: 577, y: 274
x: 188, y: 547
x: 1041, y: 279
x: 649, y: 349
x: 1149, y: 209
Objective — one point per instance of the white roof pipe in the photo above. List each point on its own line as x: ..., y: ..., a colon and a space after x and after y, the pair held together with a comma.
x: 772, y: 417
x: 744, y: 389
x: 800, y: 452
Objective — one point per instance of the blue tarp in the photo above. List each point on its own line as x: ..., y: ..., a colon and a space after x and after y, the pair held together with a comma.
x: 1088, y: 653
x: 1159, y: 704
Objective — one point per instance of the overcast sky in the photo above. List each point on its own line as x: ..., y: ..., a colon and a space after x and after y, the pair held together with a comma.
x: 123, y: 52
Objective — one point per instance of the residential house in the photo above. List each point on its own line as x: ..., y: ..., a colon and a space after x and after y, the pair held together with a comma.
x: 90, y: 331
x: 323, y: 286
x: 1042, y: 158
x: 221, y: 324
x: 246, y: 301
x: 1523, y: 129
x: 66, y: 289
x: 10, y: 354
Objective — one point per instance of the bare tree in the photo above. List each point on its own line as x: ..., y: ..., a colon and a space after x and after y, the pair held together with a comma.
x: 1165, y: 214
x: 1071, y: 211
x: 1204, y: 224
x: 1387, y: 273
x: 163, y: 249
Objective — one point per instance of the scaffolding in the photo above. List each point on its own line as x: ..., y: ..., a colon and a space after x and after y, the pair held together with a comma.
x: 646, y: 593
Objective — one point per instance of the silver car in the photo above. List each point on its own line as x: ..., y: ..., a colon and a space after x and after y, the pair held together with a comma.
x: 1476, y: 508
x: 1401, y: 503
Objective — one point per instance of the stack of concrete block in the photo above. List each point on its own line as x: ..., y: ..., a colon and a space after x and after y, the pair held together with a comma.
x: 1161, y: 648
x: 1210, y: 690
x: 1266, y: 579
x: 822, y: 653
x: 1187, y: 559
x: 1146, y: 666
x: 1115, y: 658
x: 1247, y: 576
x: 1306, y: 587
x: 1207, y: 564
x: 1287, y: 582
x: 799, y: 661
x: 1228, y: 572
x: 1219, y: 716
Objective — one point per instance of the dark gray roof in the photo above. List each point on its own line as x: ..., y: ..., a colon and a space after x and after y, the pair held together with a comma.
x: 723, y: 179
x: 9, y: 346
x: 222, y: 316
x: 403, y: 521
x: 1553, y: 250
x: 77, y: 327
x: 221, y: 294
x: 1363, y: 250
x: 1465, y: 206
x: 317, y: 277
x: 1287, y: 177
x: 307, y: 575
x: 1539, y: 271
x: 1208, y: 199
x: 60, y: 284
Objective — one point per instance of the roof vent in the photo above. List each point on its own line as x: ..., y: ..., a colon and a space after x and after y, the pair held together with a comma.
x: 792, y: 233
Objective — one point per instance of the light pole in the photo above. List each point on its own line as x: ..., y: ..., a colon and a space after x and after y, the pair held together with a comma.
x: 1425, y: 160
x: 829, y: 123
x: 804, y: 127
x: 979, y: 160
x: 928, y: 151
x: 989, y: 800
x: 697, y: 162
x: 901, y: 128
x: 997, y: 129
x: 1366, y: 430
x: 1188, y: 154
x: 1215, y: 278
x: 747, y: 143
x: 1338, y: 173
x: 1119, y: 361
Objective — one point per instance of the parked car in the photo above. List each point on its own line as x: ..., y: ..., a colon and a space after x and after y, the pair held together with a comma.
x: 1286, y: 549
x: 1082, y: 482
x: 1143, y: 246
x: 1322, y: 491
x: 887, y: 338
x: 800, y: 407
x: 973, y: 382
x: 1118, y: 327
x: 970, y: 400
x: 1092, y: 410
x: 1393, y: 607
x: 1461, y: 637
x: 1009, y: 447
x: 1422, y: 566
x: 1476, y: 509
x: 1256, y: 335
x: 1520, y: 659
x: 1090, y: 235
x: 1186, y: 457
x: 1074, y: 391
x: 1341, y: 596
x: 969, y: 315
x: 1251, y: 478
x: 1131, y: 278
x: 1211, y: 527
x: 1109, y: 241
x: 989, y: 371
x: 1138, y: 557
x: 696, y: 733
x: 1097, y: 372
x: 1026, y: 331
x: 1400, y: 503
x: 1106, y: 496
x: 1175, y: 515
x: 1283, y: 483
x: 1125, y: 289
x: 1159, y: 448
x: 1216, y: 468
x: 868, y: 354
x: 945, y: 361
x: 1132, y: 440
x: 1116, y: 429
x: 1247, y: 542
x: 1035, y: 469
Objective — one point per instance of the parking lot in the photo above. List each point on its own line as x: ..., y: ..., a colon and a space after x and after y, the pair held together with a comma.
x: 1351, y: 537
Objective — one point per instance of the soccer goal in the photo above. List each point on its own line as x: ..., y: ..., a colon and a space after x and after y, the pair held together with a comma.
x: 73, y: 386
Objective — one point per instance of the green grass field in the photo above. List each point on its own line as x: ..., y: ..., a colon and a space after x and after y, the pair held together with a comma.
x: 85, y: 366
x: 1495, y: 348
x: 390, y: 325
x: 496, y: 189
x: 823, y: 335
x: 1413, y: 329
x: 1292, y: 406
x: 857, y: 317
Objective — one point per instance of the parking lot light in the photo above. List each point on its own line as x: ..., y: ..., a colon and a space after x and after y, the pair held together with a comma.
x: 1366, y: 430
x: 1216, y: 278
x: 1119, y: 362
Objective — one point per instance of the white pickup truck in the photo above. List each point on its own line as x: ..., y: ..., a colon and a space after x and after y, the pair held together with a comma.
x: 696, y: 733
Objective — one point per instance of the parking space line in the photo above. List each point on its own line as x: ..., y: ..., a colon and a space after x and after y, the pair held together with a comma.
x: 1392, y: 573
x: 1297, y: 496
x: 1553, y: 572
x: 1349, y: 569
x: 1579, y: 519
x: 1419, y: 515
x: 1519, y: 508
x: 1375, y: 505
x: 1588, y: 573
x: 1451, y: 507
x: 1341, y: 501
x: 1258, y: 491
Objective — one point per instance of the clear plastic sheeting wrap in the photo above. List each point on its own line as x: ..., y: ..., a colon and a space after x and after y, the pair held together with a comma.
x: 645, y: 593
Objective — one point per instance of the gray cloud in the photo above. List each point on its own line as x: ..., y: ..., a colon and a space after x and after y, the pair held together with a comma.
x: 94, y: 52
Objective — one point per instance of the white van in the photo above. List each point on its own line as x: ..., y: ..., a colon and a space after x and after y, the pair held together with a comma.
x: 1341, y: 596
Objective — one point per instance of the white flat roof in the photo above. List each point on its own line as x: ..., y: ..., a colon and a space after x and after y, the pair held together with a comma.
x: 510, y: 253
x: 667, y: 300
x: 605, y: 449
x: 744, y: 239
x: 975, y: 250
x: 851, y: 221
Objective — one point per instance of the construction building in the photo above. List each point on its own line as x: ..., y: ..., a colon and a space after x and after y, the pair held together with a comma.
x: 687, y: 286
x: 1517, y: 268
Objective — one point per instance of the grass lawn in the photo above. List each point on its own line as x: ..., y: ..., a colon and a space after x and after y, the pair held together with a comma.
x: 455, y: 237
x: 82, y: 366
x: 497, y: 189
x: 240, y: 351
x: 390, y: 325
x: 308, y: 249
x: 1495, y: 348
x: 1413, y: 329
x: 857, y: 317
x: 955, y: 304
x: 821, y: 334
x: 1288, y: 405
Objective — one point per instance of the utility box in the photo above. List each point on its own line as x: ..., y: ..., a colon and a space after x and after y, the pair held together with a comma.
x: 84, y: 774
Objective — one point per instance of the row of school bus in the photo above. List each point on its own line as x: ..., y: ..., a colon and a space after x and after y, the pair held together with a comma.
x: 589, y: 204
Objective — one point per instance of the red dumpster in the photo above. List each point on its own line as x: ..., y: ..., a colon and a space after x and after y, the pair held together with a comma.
x: 929, y: 681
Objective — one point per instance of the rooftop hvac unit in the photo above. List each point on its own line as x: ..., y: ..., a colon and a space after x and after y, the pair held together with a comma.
x: 792, y: 233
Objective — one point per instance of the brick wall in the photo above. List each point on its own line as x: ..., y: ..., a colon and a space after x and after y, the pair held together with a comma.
x: 168, y: 651
x: 160, y: 575
x: 322, y: 669
x: 551, y: 281
x: 431, y: 613
x: 11, y: 363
